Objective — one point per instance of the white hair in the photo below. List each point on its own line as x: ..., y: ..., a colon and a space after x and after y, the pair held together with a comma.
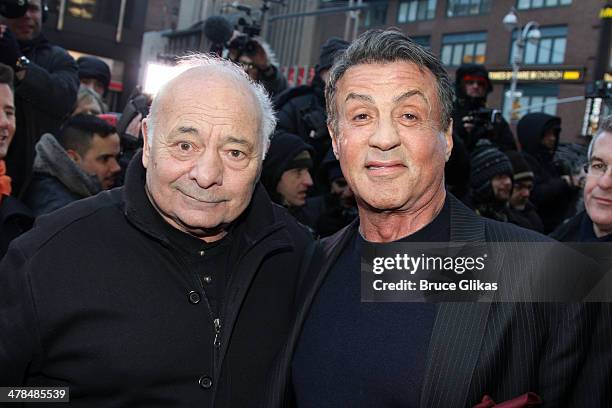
x: 605, y: 126
x: 268, y: 117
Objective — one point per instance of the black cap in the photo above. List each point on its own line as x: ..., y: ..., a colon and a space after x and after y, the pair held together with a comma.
x: 329, y: 51
x: 92, y: 67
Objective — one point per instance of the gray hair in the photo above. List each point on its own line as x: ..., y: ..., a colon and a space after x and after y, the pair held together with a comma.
x: 86, y: 94
x: 268, y: 117
x: 385, y: 46
x: 605, y: 126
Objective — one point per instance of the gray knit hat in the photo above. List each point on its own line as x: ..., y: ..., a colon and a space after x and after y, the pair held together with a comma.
x: 486, y: 162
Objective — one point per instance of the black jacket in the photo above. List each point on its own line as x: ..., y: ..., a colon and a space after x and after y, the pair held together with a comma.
x: 502, y: 349
x: 98, y: 298
x: 15, y: 219
x: 301, y: 111
x: 43, y: 100
x: 551, y: 195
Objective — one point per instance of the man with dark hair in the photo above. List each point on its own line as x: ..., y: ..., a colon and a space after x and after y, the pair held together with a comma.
x: 94, y: 74
x: 301, y: 110
x: 15, y: 218
x: 389, y: 104
x: 45, y: 89
x: 79, y: 163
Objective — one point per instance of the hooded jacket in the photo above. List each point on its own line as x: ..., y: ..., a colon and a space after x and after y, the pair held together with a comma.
x: 98, y: 297
x: 551, y: 194
x: 57, y: 180
x: 43, y: 99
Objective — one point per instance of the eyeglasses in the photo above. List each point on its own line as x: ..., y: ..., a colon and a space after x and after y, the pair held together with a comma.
x: 596, y: 168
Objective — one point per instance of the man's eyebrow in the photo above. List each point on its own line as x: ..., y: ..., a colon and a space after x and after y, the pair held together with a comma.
x: 410, y: 94
x: 238, y: 140
x: 187, y: 129
x: 353, y: 95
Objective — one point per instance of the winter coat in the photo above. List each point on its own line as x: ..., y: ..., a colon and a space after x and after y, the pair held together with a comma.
x: 551, y: 195
x: 301, y: 111
x: 15, y: 219
x: 57, y: 180
x: 43, y: 99
x: 99, y: 298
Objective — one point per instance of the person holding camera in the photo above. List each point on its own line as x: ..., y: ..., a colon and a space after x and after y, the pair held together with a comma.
x: 472, y: 120
x: 46, y: 84
x: 301, y: 110
x: 258, y: 60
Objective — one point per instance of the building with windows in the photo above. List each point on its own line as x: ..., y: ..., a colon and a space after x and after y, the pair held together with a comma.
x: 558, y: 67
x: 111, y: 30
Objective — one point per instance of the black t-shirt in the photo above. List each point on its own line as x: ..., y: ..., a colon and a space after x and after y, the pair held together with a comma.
x: 364, y: 354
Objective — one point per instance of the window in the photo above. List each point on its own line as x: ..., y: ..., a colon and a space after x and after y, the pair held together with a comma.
x: 536, y: 98
x: 423, y: 41
x: 531, y: 4
x: 464, y: 48
x: 376, y: 13
x: 415, y: 10
x: 457, y: 8
x: 550, y: 49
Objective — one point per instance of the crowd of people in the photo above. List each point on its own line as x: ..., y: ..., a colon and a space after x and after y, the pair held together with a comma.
x: 184, y: 237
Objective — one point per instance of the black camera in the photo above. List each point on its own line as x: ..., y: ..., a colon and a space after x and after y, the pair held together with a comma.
x: 13, y: 8
x: 484, y: 117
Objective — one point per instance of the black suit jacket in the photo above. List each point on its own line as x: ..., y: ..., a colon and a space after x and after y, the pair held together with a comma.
x: 498, y: 349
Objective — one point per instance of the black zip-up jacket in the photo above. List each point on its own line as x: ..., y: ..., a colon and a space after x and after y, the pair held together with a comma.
x: 43, y: 100
x: 96, y: 298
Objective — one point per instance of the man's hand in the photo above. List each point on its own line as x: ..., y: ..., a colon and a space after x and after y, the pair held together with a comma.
x: 9, y: 47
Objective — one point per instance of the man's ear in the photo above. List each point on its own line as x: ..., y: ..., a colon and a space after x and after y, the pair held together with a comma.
x: 448, y: 136
x: 334, y: 139
x: 146, y: 147
x: 74, y: 156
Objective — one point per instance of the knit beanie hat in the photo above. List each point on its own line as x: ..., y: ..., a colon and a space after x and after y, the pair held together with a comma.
x: 522, y: 171
x: 92, y: 67
x: 329, y: 51
x: 486, y: 162
x: 287, y: 151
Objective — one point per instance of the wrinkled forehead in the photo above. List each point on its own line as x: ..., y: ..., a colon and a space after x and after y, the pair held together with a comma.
x: 602, y: 148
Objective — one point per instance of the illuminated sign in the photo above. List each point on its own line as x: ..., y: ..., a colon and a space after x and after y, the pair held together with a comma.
x: 553, y: 75
x: 605, y: 12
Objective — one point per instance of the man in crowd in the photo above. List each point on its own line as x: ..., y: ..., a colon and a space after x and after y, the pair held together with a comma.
x: 79, y: 163
x: 286, y: 174
x: 177, y: 289
x: 595, y: 223
x: 389, y: 107
x: 552, y: 192
x: 45, y: 90
x: 523, y: 181
x: 15, y: 218
x: 94, y: 74
x: 301, y: 110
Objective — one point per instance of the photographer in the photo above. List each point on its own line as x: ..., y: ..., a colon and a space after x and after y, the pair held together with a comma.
x: 257, y: 59
x: 301, y: 110
x: 46, y: 84
x: 472, y: 120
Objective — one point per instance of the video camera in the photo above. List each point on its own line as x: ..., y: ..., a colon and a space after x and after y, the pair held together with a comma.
x: 13, y: 8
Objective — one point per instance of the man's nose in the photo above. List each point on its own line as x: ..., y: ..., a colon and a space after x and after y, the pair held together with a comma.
x: 114, y: 166
x: 306, y: 179
x: 385, y: 136
x: 208, y: 169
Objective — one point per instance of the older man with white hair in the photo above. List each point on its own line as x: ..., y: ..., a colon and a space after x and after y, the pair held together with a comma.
x: 175, y: 290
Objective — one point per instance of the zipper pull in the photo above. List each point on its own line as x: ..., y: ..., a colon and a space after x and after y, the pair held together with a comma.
x: 217, y: 324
